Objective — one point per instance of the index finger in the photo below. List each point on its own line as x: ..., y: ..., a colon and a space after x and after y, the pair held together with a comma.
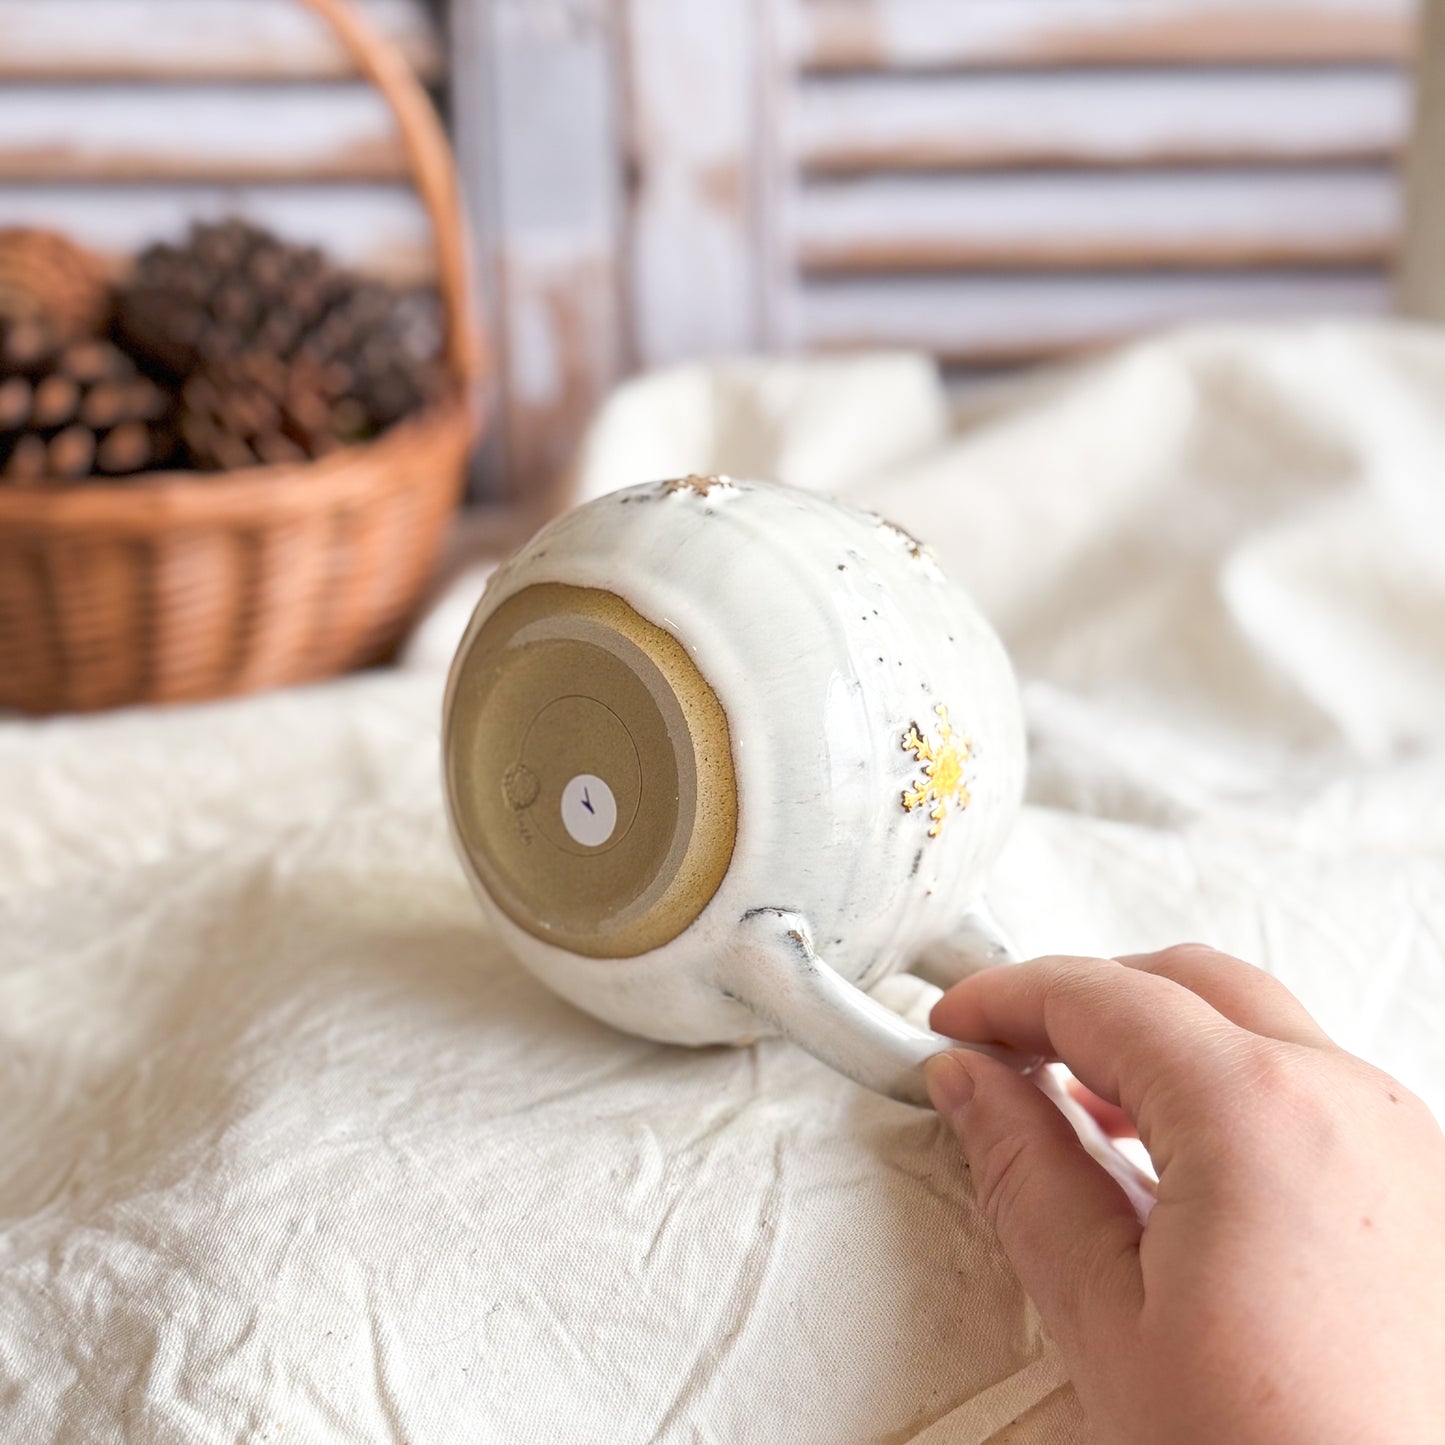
x: 1137, y: 1039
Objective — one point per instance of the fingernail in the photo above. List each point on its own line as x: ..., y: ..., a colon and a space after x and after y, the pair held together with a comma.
x: 950, y: 1083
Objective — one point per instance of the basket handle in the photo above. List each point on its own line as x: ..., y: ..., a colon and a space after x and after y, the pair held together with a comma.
x: 433, y: 173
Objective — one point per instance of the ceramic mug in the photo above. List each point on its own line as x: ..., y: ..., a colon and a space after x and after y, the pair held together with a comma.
x: 720, y: 755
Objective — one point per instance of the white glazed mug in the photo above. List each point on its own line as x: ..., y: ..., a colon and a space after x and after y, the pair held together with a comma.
x: 720, y: 755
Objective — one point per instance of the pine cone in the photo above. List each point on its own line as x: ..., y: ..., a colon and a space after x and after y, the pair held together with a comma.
x: 259, y: 409
x: 46, y: 277
x: 279, y: 354
x: 68, y: 411
x: 390, y: 341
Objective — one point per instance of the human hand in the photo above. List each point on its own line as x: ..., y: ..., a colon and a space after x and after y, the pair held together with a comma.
x: 1289, y: 1286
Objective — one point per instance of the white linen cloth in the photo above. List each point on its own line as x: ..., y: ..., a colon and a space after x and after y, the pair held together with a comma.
x: 289, y: 1151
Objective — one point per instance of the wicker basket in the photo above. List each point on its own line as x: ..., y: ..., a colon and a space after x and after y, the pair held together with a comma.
x: 176, y: 586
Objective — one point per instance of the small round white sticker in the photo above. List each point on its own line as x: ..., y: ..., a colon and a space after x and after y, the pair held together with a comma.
x: 589, y: 811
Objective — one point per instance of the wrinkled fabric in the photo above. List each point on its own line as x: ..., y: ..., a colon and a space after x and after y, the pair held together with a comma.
x: 291, y: 1150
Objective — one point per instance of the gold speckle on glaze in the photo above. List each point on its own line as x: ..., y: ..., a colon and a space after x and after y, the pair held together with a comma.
x: 916, y: 549
x: 943, y: 762
x: 693, y: 482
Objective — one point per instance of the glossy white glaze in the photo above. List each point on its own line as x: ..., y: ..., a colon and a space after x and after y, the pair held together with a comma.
x: 827, y: 635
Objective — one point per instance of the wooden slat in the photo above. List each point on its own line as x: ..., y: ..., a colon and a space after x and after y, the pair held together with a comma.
x: 951, y: 34
x: 995, y: 321
x: 380, y: 229
x: 538, y: 109
x: 1421, y: 276
x: 232, y: 133
x: 67, y: 40
x: 477, y: 131
x: 697, y: 261
x: 1069, y: 118
x: 1108, y: 220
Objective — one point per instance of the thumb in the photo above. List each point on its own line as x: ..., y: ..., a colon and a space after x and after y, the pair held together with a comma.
x: 1067, y: 1228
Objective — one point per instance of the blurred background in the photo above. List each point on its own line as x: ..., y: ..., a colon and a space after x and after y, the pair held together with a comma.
x: 998, y: 182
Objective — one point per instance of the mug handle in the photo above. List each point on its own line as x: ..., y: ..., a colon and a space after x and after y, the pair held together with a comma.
x: 977, y: 942
x: 774, y: 970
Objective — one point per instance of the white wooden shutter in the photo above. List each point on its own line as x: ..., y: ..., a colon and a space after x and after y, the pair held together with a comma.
x: 1001, y: 183
x: 998, y: 182
x: 122, y: 120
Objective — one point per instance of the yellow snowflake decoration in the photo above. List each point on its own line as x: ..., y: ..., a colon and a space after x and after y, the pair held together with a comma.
x: 943, y: 762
